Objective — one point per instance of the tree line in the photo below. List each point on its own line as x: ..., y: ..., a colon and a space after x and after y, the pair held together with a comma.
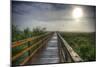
x: 18, y: 34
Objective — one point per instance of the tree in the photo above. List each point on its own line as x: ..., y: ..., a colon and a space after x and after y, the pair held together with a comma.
x: 27, y: 33
x: 38, y: 31
x: 15, y: 33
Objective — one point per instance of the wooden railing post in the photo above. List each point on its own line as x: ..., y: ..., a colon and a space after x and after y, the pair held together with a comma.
x: 29, y: 52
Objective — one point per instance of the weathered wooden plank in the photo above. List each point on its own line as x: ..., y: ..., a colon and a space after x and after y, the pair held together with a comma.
x: 73, y: 54
x: 49, y: 54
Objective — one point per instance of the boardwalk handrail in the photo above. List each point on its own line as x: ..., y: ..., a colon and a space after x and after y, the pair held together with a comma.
x: 18, y: 43
x: 42, y: 39
x: 72, y: 56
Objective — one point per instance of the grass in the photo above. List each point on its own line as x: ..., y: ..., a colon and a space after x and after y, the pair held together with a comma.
x: 83, y: 43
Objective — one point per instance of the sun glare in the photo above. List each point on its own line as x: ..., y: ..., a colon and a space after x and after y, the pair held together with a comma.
x: 77, y: 12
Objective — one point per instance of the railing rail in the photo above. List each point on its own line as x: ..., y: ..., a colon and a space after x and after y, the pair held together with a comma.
x: 67, y: 54
x: 42, y: 40
x: 18, y: 43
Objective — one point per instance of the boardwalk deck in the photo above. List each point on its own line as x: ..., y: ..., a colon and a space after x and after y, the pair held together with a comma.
x: 50, y: 53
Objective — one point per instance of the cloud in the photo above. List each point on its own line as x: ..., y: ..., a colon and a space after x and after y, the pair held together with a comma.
x: 52, y: 16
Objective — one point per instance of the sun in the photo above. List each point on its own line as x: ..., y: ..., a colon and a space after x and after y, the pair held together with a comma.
x: 77, y: 12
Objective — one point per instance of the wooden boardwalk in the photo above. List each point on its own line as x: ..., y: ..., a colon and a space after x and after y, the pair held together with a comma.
x: 50, y: 53
x: 50, y: 49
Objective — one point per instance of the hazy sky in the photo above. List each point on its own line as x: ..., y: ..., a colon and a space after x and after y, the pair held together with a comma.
x: 54, y: 17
